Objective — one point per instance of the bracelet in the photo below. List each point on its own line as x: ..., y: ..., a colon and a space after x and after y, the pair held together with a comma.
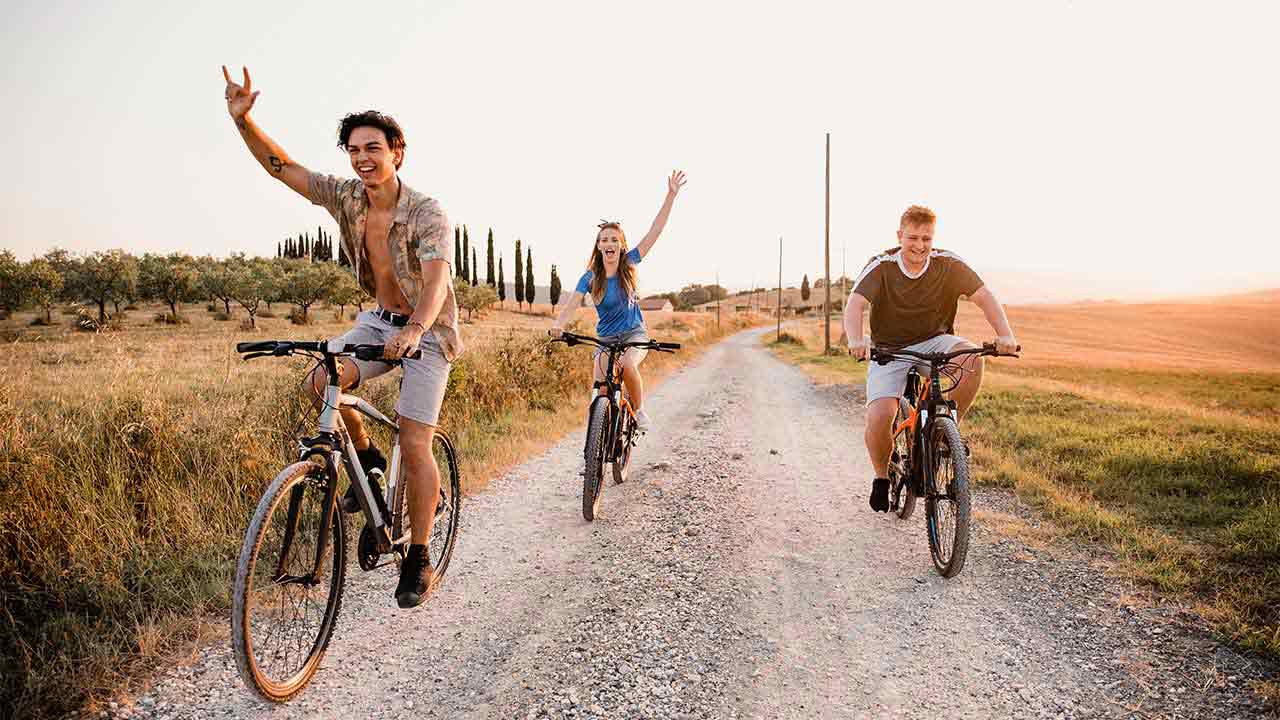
x: 415, y: 322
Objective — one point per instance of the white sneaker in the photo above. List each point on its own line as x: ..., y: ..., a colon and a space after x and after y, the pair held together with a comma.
x: 642, y: 421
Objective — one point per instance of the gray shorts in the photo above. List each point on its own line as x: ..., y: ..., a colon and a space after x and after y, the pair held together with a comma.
x: 636, y: 334
x: 888, y: 381
x: 423, y: 380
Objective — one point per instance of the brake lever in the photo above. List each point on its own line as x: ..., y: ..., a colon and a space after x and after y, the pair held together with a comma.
x: 253, y: 355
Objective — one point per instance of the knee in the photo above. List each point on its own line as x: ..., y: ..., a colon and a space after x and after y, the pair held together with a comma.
x: 880, y: 415
x: 316, y: 383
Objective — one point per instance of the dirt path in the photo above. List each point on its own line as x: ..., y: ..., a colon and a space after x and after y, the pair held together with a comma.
x: 739, y: 574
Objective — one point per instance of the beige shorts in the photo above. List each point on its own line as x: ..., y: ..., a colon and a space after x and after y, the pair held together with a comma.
x: 888, y: 381
x: 423, y: 380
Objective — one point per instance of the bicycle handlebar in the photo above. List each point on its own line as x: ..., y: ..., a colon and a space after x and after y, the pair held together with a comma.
x: 572, y: 339
x: 282, y: 348
x: 884, y: 357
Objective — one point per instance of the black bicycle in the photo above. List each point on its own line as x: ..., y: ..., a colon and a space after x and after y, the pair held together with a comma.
x: 292, y: 567
x: 611, y: 421
x: 930, y: 459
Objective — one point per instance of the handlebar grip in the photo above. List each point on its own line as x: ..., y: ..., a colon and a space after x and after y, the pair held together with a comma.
x: 374, y: 352
x: 259, y: 346
x: 668, y: 346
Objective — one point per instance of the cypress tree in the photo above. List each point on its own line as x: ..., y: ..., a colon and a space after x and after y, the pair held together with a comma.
x: 343, y: 260
x: 519, y: 276
x: 502, y: 283
x: 457, y: 248
x: 466, y: 254
x: 530, y: 290
x: 279, y: 250
x: 555, y: 288
x: 489, y: 277
x: 475, y: 275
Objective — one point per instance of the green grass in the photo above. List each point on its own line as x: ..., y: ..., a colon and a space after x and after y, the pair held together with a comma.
x: 1189, y: 501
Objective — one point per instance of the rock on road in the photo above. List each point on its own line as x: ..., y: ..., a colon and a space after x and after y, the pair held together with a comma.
x: 738, y: 573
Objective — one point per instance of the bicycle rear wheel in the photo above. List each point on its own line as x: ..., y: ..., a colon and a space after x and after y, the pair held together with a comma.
x: 947, y: 502
x: 900, y: 464
x: 593, y: 476
x: 625, y: 438
x: 283, y: 613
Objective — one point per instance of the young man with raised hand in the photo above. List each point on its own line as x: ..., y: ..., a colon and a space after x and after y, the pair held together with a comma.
x: 399, y: 244
x: 914, y: 290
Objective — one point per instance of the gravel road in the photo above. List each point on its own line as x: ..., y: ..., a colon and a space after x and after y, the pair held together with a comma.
x: 740, y: 574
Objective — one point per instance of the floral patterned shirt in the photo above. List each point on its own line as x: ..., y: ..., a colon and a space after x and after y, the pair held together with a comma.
x: 419, y: 232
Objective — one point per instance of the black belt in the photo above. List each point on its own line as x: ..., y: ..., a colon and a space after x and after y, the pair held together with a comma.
x: 395, y: 319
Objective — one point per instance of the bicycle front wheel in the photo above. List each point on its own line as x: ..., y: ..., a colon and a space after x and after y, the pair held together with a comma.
x: 947, y: 498
x: 593, y: 475
x: 285, y: 603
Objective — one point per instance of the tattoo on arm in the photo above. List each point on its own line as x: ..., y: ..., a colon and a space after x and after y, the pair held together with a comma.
x: 276, y: 164
x: 241, y: 124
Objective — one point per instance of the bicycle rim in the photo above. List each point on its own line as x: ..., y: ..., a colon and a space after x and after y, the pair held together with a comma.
x: 948, y: 501
x: 592, y: 478
x: 281, y: 626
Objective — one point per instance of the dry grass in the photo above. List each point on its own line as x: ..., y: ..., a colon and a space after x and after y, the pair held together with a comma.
x: 130, y: 463
x: 1149, y: 428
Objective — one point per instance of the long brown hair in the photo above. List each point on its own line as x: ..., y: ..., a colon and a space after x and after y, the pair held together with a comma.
x: 626, y: 271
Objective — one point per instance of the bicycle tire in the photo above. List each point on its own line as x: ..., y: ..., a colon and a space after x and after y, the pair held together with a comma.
x: 593, y: 475
x: 622, y: 460
x: 303, y: 486
x: 946, y: 450
x: 900, y: 461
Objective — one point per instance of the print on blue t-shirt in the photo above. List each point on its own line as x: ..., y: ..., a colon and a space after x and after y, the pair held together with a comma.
x: 616, y: 314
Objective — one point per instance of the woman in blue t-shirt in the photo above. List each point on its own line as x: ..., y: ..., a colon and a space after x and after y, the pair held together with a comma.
x: 611, y: 280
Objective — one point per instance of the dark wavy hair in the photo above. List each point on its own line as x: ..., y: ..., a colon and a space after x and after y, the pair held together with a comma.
x: 373, y: 119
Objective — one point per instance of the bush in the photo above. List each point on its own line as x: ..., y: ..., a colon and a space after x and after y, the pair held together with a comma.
x: 266, y: 314
x: 221, y: 316
x: 788, y: 339
x: 298, y: 318
x: 39, y: 321
x: 165, y: 318
x: 211, y: 308
x: 131, y: 306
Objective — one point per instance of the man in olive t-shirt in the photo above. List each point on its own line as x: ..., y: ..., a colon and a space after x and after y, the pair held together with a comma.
x: 913, y: 291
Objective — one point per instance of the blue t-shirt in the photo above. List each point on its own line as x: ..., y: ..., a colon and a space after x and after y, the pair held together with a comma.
x: 616, y: 314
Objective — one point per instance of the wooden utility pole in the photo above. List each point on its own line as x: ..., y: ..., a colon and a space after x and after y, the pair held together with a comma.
x: 826, y: 304
x: 717, y: 291
x: 779, y: 287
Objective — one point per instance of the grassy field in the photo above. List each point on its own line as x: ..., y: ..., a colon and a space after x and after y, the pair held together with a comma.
x: 1153, y: 429
x: 130, y: 463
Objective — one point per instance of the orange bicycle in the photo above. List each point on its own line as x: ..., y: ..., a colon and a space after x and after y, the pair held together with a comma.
x: 611, y: 422
x: 930, y: 459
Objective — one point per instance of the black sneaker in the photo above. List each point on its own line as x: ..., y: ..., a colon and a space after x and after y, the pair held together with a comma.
x: 880, y: 494
x: 416, y: 578
x: 374, y: 465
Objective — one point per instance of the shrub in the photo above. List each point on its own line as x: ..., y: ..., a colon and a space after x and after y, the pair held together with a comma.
x: 297, y: 317
x: 211, y: 308
x: 221, y: 316
x: 266, y: 314
x: 39, y: 320
x: 165, y: 318
x: 131, y: 306
x: 788, y: 339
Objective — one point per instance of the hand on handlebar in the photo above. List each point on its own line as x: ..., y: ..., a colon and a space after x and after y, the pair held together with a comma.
x: 1007, y: 345
x: 860, y: 349
x: 555, y: 332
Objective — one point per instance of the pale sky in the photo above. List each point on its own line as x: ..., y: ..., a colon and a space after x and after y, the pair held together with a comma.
x: 1122, y: 148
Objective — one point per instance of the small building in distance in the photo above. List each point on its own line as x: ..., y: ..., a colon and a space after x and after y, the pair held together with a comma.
x: 658, y: 304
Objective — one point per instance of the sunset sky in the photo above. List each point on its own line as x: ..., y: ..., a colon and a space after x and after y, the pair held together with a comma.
x: 1118, y: 149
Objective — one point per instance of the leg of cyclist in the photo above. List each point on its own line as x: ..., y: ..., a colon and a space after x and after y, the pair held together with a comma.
x: 634, y: 383
x: 879, y: 440
x: 422, y: 389
x: 966, y: 391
